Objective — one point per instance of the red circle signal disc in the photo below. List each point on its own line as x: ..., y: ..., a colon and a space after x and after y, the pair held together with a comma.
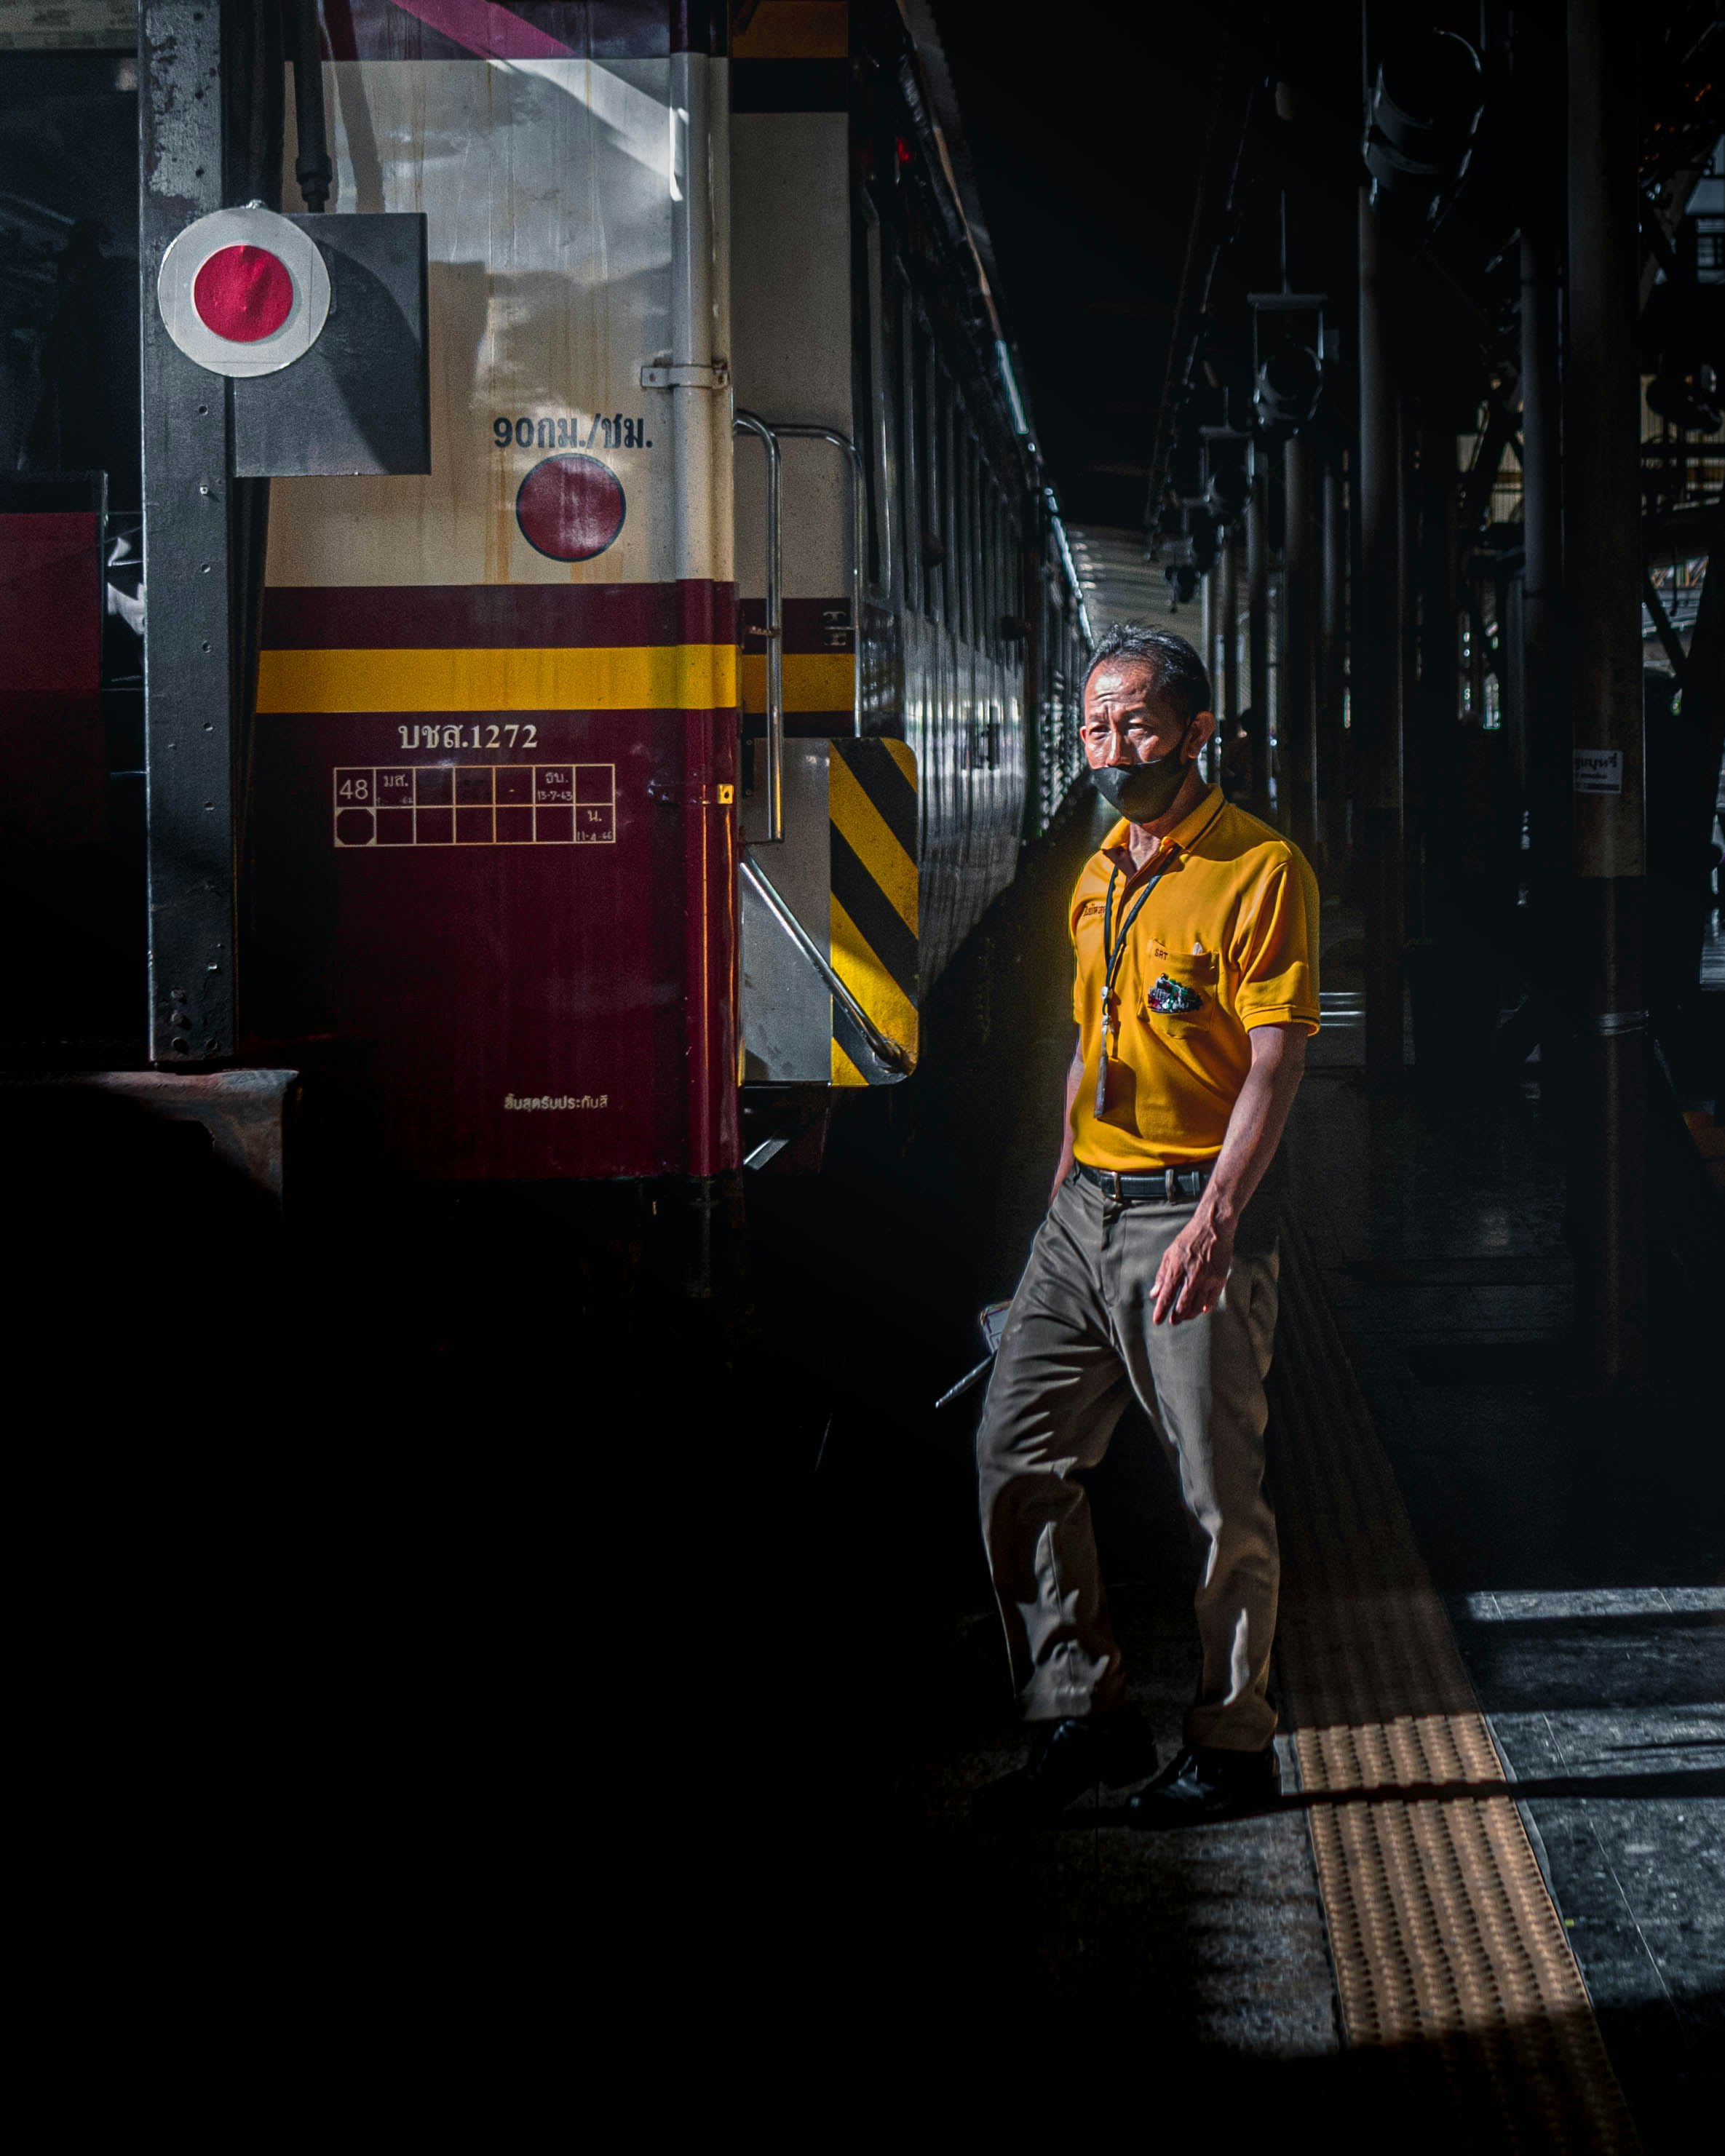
x: 242, y: 294
x: 570, y: 507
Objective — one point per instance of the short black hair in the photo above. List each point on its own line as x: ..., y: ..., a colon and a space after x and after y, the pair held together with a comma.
x: 1180, y: 674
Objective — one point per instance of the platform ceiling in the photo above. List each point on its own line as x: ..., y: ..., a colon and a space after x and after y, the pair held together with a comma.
x: 1085, y: 135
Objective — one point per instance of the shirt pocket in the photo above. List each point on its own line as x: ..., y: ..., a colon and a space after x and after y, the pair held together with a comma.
x: 1180, y: 996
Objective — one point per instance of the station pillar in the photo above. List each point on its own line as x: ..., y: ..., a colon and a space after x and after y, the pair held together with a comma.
x: 1603, y: 574
x: 1299, y: 714
x: 1228, y: 688
x: 193, y: 661
x: 1545, y: 706
x: 1332, y: 670
x: 1378, y: 664
x: 1257, y: 635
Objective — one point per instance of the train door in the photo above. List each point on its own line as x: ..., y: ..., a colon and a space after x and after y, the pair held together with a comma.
x: 829, y: 896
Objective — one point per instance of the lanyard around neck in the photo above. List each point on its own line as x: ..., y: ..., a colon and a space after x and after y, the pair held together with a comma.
x: 1114, y: 946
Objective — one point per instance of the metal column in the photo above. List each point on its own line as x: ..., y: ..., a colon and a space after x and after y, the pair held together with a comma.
x: 1230, y: 683
x: 190, y: 670
x: 1258, y: 631
x: 1298, y: 709
x: 1544, y: 702
x: 1332, y: 664
x: 1603, y: 573
x: 1206, y: 652
x: 1378, y: 715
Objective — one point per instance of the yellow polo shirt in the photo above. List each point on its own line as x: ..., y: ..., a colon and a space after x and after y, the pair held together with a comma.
x: 1227, y: 940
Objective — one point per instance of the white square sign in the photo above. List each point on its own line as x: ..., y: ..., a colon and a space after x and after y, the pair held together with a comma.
x: 1598, y: 770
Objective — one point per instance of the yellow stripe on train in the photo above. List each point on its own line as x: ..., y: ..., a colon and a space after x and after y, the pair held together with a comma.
x: 814, y: 681
x: 680, y: 677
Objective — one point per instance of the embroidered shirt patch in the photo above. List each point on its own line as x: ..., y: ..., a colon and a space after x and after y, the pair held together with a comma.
x: 1173, y: 998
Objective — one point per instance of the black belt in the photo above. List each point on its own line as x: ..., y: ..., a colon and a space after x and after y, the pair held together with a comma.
x: 1166, y: 1186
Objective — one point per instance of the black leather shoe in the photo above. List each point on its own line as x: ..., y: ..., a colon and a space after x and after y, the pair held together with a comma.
x: 1205, y: 1785
x: 1080, y: 1753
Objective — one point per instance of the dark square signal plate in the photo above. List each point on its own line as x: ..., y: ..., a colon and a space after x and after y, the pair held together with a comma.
x: 360, y: 400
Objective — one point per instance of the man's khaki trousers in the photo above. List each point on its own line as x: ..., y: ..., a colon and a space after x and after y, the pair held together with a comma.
x: 1079, y: 1341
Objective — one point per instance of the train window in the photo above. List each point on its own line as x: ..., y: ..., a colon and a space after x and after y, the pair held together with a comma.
x: 937, y: 543
x: 952, y: 529
x: 1011, y: 606
x: 987, y: 615
x: 973, y: 539
x: 878, y: 455
x: 999, y: 596
x: 954, y: 578
x: 994, y: 592
x: 975, y: 599
x: 957, y: 537
x: 941, y: 496
x: 910, y: 460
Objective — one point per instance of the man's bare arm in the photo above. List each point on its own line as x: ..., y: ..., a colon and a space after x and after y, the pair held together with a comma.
x: 1074, y: 1078
x: 1195, y: 1266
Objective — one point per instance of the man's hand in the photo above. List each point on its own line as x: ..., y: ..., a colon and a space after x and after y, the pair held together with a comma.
x: 1194, y: 1269
x: 1190, y: 1278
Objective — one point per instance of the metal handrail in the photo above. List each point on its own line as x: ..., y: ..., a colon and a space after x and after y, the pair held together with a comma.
x: 858, y: 542
x: 747, y: 423
x: 881, y: 1046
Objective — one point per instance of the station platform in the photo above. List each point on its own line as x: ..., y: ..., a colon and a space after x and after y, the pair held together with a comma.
x: 1487, y: 1908
x: 554, y: 1608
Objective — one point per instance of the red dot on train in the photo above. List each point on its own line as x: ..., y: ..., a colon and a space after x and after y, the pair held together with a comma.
x: 242, y: 294
x: 570, y: 508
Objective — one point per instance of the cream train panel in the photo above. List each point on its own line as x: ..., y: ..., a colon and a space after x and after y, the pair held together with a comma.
x: 792, y: 357
x: 547, y: 189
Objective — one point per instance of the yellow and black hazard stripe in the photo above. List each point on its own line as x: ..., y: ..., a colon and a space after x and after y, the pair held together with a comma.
x: 872, y: 806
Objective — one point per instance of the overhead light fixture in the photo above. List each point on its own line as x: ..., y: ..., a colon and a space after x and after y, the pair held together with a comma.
x: 1289, y: 385
x: 1424, y: 112
x: 1228, y: 484
x: 1288, y: 338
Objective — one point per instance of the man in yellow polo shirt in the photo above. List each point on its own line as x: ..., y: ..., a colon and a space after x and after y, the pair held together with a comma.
x: 1154, y: 1275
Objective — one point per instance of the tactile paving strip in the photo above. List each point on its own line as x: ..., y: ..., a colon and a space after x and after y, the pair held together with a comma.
x: 1441, y: 1929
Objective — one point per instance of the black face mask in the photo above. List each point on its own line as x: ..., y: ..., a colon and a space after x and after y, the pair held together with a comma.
x: 1142, y: 791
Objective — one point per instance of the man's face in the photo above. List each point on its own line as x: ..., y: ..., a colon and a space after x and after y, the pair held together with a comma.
x: 1127, y: 722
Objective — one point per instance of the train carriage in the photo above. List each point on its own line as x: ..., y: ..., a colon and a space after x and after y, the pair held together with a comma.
x: 650, y: 636
x: 717, y: 398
